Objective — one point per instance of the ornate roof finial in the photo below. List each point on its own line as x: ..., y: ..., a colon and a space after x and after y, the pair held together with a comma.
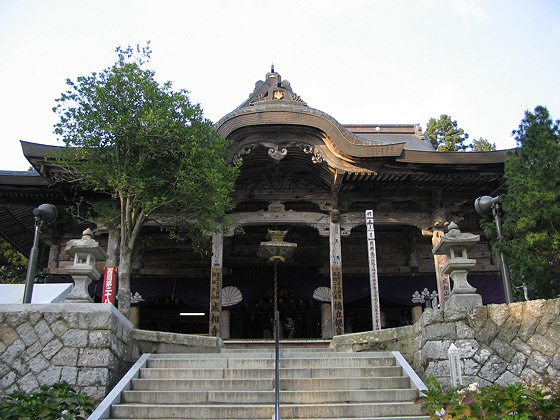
x: 272, y: 68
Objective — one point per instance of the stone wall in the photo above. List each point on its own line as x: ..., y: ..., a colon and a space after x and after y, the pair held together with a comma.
x: 498, y: 343
x: 88, y: 345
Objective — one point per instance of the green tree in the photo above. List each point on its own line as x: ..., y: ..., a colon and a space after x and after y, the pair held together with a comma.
x: 13, y: 264
x: 149, y: 149
x: 532, y: 205
x: 445, y: 135
x: 482, y: 145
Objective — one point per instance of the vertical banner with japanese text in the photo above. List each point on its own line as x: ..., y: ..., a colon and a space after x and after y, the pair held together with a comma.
x: 336, y: 279
x: 216, y: 285
x: 373, y: 278
x: 109, y: 279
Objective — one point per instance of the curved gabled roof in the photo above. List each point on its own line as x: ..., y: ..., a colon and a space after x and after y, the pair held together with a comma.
x: 274, y: 103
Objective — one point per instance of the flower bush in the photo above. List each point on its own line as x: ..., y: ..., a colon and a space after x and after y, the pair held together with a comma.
x: 533, y: 400
x: 58, y: 401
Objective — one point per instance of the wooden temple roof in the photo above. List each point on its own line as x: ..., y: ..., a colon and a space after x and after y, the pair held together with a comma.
x: 278, y: 139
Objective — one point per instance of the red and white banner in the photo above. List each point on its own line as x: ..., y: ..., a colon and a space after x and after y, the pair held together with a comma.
x: 109, y: 279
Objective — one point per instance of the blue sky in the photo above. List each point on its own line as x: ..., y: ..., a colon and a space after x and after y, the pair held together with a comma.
x: 361, y: 61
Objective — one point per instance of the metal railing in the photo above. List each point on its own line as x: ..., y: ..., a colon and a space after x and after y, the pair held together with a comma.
x: 277, y: 367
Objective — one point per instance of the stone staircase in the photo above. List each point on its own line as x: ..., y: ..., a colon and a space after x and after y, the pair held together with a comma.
x: 315, y: 383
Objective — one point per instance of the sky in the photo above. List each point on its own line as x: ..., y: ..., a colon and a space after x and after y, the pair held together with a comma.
x: 484, y: 63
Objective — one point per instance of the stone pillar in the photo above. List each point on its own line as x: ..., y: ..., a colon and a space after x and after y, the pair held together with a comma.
x: 336, y: 274
x: 216, y: 285
x: 85, y: 252
x: 326, y: 321
x: 455, y: 245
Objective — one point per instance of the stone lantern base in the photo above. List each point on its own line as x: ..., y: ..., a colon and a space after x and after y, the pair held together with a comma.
x: 462, y: 301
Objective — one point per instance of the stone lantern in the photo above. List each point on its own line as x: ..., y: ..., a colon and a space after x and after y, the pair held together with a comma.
x: 455, y: 244
x: 85, y: 251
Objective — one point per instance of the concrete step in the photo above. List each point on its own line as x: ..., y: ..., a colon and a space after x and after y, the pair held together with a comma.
x: 288, y: 361
x: 233, y: 373
x: 420, y: 417
x: 239, y: 384
x: 271, y: 344
x: 270, y: 354
x: 267, y: 397
x: 250, y: 384
x: 252, y: 411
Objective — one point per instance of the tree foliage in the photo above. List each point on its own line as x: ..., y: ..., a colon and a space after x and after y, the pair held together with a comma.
x: 482, y: 145
x: 445, y: 135
x: 532, y: 205
x: 148, y: 148
x: 13, y: 264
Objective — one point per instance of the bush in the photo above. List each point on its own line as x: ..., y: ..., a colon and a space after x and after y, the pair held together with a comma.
x: 58, y: 401
x: 512, y: 402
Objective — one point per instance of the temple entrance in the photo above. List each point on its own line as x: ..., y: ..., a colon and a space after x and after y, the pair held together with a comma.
x: 252, y: 278
x: 255, y: 319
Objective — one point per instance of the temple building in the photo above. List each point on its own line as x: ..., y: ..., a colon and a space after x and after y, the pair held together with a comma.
x: 303, y: 172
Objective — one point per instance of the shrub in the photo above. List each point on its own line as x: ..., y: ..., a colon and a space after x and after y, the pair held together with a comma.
x: 512, y: 402
x: 58, y: 401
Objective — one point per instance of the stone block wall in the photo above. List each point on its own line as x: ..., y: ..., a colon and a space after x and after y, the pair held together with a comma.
x: 89, y: 345
x: 498, y: 343
x: 86, y: 345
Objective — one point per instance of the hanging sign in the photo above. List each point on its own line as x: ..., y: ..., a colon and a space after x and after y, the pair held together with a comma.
x: 373, y: 279
x: 109, y: 279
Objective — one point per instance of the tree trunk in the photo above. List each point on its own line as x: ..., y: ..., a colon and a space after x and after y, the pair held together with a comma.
x: 124, y: 293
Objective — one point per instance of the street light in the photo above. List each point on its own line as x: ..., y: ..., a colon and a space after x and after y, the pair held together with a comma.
x: 487, y: 207
x: 45, y: 214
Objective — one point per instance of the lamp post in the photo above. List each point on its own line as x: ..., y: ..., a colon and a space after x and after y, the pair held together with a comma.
x: 45, y: 214
x: 486, y: 207
x: 275, y: 250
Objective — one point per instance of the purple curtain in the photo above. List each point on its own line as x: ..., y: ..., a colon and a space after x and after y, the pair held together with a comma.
x: 408, y: 290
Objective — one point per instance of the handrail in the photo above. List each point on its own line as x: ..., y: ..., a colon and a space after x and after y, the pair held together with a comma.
x: 277, y: 368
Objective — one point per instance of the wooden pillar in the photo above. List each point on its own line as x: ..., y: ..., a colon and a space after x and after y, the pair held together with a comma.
x: 416, y: 313
x: 225, y: 325
x: 54, y: 254
x: 326, y: 321
x: 336, y: 274
x: 135, y: 316
x: 216, y: 285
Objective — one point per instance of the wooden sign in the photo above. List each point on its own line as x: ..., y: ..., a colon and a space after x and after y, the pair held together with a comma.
x: 336, y: 280
x: 373, y: 278
x: 216, y: 285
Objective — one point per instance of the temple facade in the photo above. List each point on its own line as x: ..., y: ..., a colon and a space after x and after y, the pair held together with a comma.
x: 336, y: 189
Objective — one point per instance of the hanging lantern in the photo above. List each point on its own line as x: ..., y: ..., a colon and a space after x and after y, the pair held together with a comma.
x: 275, y: 249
